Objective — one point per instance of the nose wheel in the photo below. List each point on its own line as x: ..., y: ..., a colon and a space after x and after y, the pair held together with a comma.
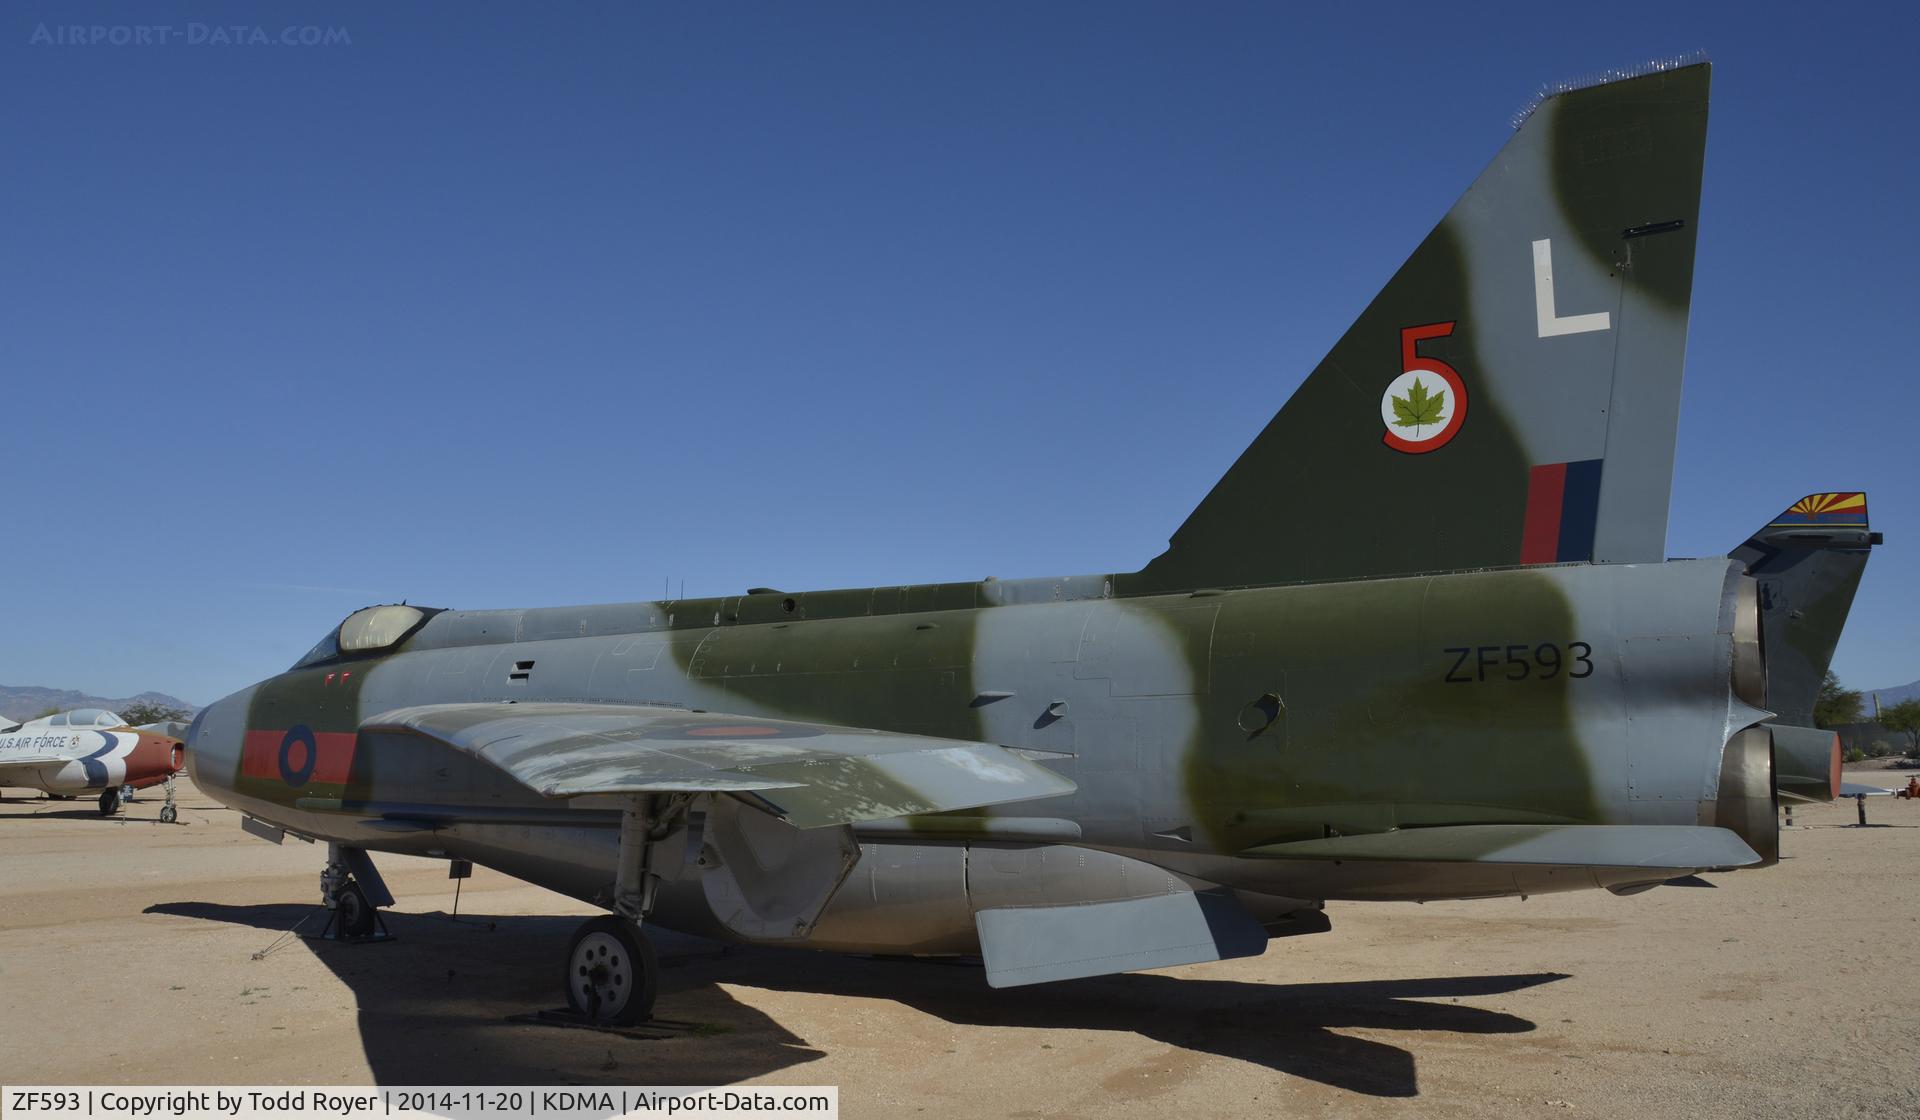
x: 612, y: 974
x: 169, y: 812
x: 353, y: 892
x: 354, y: 916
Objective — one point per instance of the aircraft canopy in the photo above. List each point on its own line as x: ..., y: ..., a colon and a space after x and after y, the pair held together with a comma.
x: 368, y: 630
x: 86, y: 717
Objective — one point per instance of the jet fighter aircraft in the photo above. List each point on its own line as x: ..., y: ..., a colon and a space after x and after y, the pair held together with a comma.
x: 1420, y: 642
x: 90, y: 749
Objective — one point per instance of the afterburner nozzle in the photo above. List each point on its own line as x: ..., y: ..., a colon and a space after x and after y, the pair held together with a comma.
x: 1746, y: 803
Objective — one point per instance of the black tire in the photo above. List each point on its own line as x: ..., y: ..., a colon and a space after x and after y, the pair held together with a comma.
x: 612, y: 976
x: 354, y: 913
x: 168, y: 814
x: 110, y: 801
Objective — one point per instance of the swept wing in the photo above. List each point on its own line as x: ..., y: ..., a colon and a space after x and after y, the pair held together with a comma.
x: 810, y: 774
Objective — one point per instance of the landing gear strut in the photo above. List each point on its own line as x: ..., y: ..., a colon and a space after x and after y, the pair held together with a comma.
x: 169, y: 812
x: 612, y: 975
x: 353, y: 893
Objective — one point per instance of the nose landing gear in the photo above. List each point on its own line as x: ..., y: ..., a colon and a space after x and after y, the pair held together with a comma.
x: 169, y: 812
x: 353, y: 892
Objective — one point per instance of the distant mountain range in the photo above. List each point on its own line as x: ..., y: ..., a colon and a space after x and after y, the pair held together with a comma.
x: 1890, y: 696
x: 25, y: 702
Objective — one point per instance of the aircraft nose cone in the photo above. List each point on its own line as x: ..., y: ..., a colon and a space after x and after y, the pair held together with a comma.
x: 213, y: 742
x: 154, y: 756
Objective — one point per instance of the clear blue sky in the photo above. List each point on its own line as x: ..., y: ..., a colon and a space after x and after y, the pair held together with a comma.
x: 504, y: 306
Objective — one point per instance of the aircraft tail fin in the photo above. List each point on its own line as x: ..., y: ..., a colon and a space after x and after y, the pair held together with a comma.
x: 1808, y: 561
x: 1512, y: 395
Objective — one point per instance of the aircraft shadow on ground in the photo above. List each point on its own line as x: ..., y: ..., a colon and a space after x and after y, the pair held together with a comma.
x: 69, y: 813
x: 433, y: 1007
x: 1288, y: 1028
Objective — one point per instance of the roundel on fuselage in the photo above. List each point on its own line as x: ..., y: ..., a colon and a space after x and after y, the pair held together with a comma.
x: 299, y: 752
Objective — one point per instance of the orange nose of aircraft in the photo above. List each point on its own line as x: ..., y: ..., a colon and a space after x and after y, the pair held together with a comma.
x: 154, y: 759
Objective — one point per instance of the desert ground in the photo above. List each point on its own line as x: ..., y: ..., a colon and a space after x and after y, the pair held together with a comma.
x: 136, y: 952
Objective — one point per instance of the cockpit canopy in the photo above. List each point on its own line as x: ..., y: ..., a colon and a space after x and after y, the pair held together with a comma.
x: 368, y: 630
x: 86, y: 717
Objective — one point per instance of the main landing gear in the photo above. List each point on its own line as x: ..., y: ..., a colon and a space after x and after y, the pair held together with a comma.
x: 353, y: 893
x: 113, y: 797
x: 612, y: 974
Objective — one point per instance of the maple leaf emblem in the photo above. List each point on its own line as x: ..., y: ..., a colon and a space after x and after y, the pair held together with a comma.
x: 1419, y: 408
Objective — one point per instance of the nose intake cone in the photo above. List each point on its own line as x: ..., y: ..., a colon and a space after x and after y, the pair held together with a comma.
x: 153, y: 757
x: 213, y: 742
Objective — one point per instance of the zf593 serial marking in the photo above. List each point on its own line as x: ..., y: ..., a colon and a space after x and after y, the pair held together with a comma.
x: 1519, y: 662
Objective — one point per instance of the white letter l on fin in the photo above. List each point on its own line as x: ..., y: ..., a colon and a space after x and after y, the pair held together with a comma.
x: 1550, y: 325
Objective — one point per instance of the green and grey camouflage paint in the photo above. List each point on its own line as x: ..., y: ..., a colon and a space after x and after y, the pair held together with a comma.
x: 1339, y: 681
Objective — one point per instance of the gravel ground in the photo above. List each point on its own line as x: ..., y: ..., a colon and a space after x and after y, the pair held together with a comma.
x: 128, y: 955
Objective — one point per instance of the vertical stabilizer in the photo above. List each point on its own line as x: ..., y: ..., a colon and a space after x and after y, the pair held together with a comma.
x: 1512, y: 395
x: 1807, y: 562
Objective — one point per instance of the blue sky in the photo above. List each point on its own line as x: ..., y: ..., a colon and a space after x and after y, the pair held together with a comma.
x: 496, y: 305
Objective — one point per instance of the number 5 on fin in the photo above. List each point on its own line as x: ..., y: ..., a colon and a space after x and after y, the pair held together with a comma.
x: 1424, y: 407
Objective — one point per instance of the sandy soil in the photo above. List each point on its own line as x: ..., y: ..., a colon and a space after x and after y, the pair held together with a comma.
x: 130, y: 953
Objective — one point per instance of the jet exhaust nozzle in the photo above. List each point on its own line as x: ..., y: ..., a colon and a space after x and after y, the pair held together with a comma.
x: 1806, y: 762
x: 1746, y: 804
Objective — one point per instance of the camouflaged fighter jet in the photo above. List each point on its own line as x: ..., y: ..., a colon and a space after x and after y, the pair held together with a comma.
x: 1420, y: 642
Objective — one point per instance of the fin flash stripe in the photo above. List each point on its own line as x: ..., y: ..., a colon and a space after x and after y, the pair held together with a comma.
x: 1563, y: 507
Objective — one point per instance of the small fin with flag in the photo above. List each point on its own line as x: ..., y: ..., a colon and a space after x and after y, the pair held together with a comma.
x: 1808, y: 560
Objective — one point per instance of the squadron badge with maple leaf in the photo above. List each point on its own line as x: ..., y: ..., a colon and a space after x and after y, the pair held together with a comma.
x: 1425, y: 405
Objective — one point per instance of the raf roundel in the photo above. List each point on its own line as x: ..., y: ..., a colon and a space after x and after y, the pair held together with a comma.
x: 299, y: 753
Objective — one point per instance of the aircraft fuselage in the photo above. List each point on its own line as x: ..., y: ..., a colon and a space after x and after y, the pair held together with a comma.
x: 1195, y: 726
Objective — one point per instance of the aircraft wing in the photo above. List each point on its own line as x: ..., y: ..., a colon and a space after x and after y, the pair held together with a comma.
x: 33, y: 760
x: 1861, y: 789
x: 810, y: 774
x: 18, y: 767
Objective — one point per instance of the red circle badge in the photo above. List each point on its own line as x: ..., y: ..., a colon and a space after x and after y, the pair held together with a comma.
x: 1424, y: 407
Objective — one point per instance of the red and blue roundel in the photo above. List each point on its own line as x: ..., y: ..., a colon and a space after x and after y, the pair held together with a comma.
x: 298, y: 757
